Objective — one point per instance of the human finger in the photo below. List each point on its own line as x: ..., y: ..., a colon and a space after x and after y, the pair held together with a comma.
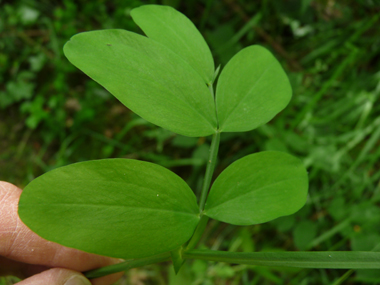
x: 56, y: 276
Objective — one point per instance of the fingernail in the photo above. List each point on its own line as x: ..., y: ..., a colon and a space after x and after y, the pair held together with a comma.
x: 77, y: 280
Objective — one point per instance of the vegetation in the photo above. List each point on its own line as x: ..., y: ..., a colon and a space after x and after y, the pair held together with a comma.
x: 52, y: 115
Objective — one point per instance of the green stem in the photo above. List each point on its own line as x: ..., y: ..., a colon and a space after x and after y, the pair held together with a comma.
x: 344, y: 277
x: 209, y: 169
x: 211, y: 88
x: 198, y: 233
x: 301, y: 259
x: 103, y: 271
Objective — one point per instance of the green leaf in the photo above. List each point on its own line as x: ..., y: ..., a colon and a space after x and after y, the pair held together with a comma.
x: 258, y: 188
x: 305, y: 259
x: 251, y: 90
x: 148, y: 78
x: 115, y: 207
x: 174, y: 30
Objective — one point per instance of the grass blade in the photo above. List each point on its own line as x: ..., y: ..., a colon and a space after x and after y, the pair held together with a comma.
x: 301, y: 259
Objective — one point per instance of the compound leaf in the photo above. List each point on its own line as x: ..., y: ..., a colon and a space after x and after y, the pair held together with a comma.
x: 258, y: 188
x: 251, y: 90
x: 148, y: 78
x: 115, y: 207
x: 174, y: 30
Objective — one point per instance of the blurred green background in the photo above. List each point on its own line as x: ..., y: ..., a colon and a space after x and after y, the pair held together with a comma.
x: 52, y: 115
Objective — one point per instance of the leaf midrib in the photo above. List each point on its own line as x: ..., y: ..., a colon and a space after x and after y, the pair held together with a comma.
x: 248, y: 93
x: 245, y: 194
x: 102, y: 205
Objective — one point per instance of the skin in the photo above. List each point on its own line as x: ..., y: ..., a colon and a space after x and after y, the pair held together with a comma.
x: 26, y: 255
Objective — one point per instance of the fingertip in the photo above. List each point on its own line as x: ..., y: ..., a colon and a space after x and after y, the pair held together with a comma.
x: 6, y: 186
x: 56, y: 276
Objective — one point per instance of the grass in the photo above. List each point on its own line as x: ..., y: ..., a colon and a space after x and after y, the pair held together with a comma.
x: 53, y: 115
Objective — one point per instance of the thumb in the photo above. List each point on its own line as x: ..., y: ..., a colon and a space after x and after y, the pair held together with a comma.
x: 56, y: 276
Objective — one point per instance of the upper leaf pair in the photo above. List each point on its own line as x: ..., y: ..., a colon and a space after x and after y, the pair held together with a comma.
x: 164, y: 77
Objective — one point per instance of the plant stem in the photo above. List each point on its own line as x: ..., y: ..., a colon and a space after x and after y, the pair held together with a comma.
x: 209, y: 169
x: 301, y: 259
x: 198, y: 233
x: 103, y: 271
x: 343, y: 278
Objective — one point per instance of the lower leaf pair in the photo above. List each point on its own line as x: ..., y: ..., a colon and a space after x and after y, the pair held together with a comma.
x: 133, y: 209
